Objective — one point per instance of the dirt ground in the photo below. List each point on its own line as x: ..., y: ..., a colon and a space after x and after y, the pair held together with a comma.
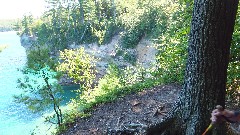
x: 133, y: 112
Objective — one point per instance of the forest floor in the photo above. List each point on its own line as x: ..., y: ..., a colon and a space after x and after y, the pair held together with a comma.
x: 134, y: 111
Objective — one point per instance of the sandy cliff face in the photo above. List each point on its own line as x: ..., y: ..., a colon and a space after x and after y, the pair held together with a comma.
x: 145, y: 52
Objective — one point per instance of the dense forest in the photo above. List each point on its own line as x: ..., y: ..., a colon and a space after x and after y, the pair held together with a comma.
x: 167, y: 24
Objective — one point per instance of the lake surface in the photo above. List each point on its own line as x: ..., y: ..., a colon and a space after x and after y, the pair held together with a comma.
x: 15, y: 119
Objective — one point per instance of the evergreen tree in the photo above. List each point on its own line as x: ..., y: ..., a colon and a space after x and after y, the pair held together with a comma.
x: 40, y: 85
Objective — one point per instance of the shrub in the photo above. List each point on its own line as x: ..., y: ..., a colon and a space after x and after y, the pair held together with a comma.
x: 172, y: 45
x: 115, y: 83
x: 78, y: 65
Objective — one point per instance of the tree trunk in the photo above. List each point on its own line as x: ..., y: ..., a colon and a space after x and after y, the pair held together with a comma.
x: 56, y: 106
x: 206, y: 71
x: 97, y: 8
x: 81, y: 11
x: 113, y: 8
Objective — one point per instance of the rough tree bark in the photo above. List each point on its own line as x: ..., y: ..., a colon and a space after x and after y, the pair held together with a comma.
x: 206, y: 72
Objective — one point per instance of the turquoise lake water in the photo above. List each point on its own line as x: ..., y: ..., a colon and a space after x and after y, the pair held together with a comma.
x: 15, y: 119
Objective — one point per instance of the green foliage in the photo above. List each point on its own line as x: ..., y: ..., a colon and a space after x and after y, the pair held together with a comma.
x: 26, y: 24
x: 106, y: 84
x: 41, y: 31
x: 41, y: 90
x: 78, y: 65
x: 149, y: 20
x: 233, y: 83
x: 235, y: 47
x: 40, y: 84
x: 172, y: 45
x: 118, y: 82
x: 104, y: 31
x: 233, y: 80
x: 172, y: 63
x: 130, y: 57
x: 38, y: 57
x: 87, y: 21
